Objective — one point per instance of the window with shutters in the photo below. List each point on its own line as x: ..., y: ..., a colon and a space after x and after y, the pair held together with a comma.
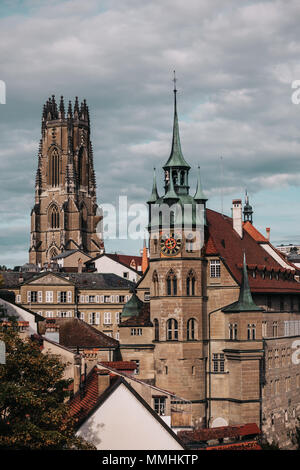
x: 62, y: 297
x: 49, y: 296
x: 107, y: 318
x: 33, y: 296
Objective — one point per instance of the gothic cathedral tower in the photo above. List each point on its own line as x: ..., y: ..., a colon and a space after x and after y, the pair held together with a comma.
x: 177, y: 277
x: 65, y: 215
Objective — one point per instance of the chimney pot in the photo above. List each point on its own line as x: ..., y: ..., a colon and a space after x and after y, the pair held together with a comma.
x: 237, y: 216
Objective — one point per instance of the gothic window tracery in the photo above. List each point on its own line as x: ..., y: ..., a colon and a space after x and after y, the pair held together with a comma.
x: 54, y: 217
x: 190, y: 283
x: 54, y: 169
x: 171, y: 283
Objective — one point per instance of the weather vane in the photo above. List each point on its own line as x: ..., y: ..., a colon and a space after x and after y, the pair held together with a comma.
x: 174, y: 80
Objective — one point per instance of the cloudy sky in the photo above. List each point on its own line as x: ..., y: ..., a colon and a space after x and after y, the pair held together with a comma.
x: 235, y: 63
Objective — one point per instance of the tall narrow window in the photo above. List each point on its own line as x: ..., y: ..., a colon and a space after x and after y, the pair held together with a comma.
x: 54, y: 217
x: 190, y: 283
x: 82, y: 167
x: 155, y: 284
x: 171, y: 283
x: 172, y: 329
x: 54, y: 169
x: 191, y: 329
x: 156, y: 330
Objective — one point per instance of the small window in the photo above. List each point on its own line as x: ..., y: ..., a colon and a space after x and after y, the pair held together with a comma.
x: 215, y: 269
x: 126, y: 275
x: 160, y: 405
x: 137, y: 369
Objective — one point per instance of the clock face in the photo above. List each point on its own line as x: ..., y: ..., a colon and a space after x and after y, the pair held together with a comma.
x: 170, y: 245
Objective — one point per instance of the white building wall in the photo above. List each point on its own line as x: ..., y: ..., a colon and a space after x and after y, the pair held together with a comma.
x: 123, y: 423
x: 22, y: 315
x: 107, y: 265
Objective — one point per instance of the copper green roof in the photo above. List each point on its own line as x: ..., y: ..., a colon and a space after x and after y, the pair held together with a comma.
x: 154, y: 195
x: 245, y: 302
x: 176, y: 158
x: 199, y: 196
x: 132, y: 307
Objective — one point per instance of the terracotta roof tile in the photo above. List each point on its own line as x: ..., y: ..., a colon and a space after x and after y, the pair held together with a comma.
x: 230, y: 247
x: 74, y: 332
x: 207, y: 434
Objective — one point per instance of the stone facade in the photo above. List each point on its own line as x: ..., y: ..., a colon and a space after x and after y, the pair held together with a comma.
x: 65, y: 215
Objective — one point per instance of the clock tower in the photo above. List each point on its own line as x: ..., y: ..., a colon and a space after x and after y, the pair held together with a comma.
x: 176, y: 276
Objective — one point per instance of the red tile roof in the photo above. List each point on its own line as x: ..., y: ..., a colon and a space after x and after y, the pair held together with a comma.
x: 121, y: 365
x: 246, y: 445
x: 207, y: 434
x: 82, y: 404
x: 223, y: 240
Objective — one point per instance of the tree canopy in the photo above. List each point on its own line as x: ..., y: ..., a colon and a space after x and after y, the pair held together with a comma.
x: 33, y: 408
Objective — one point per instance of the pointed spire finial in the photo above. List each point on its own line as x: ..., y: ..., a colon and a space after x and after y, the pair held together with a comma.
x: 245, y: 302
x: 174, y: 80
x: 176, y: 158
x: 199, y: 195
x: 154, y: 195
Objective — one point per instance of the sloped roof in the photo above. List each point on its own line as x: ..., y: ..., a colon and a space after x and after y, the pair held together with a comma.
x: 207, y: 434
x: 223, y: 240
x: 82, y: 280
x: 83, y: 406
x: 74, y: 332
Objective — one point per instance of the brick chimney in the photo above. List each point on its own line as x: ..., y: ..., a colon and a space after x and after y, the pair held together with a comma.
x: 103, y: 380
x: 80, y: 265
x: 52, y: 331
x: 237, y: 216
x: 268, y: 230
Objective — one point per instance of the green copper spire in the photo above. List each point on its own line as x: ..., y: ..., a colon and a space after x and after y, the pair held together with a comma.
x: 199, y: 196
x: 132, y: 307
x: 176, y: 158
x: 245, y: 302
x: 154, y: 195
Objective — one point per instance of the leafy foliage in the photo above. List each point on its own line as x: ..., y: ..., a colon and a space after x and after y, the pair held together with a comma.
x: 33, y: 393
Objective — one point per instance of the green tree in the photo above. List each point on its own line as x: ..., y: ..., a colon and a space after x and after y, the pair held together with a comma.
x: 33, y: 409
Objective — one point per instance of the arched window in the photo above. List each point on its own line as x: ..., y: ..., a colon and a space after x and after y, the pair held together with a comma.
x: 155, y: 284
x: 191, y: 329
x: 52, y: 253
x: 156, y: 330
x: 172, y: 330
x: 54, y: 217
x: 54, y: 168
x: 182, y: 178
x: 171, y: 283
x: 82, y: 167
x: 190, y: 283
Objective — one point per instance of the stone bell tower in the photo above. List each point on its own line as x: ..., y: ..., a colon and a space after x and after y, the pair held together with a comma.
x: 65, y: 215
x: 176, y: 277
